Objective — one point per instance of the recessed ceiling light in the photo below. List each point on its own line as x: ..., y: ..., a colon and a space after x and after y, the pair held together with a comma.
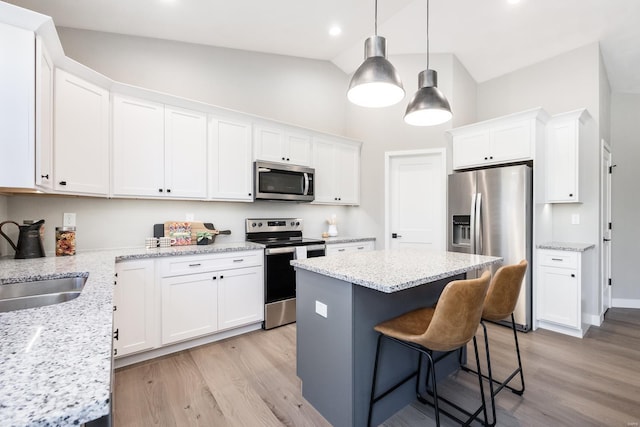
x: 513, y: 1
x: 335, y: 31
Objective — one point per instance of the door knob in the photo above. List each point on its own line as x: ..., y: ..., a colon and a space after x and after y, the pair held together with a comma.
x: 606, y: 240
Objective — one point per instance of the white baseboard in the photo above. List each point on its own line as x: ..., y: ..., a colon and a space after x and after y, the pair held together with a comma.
x: 593, y: 319
x: 625, y: 303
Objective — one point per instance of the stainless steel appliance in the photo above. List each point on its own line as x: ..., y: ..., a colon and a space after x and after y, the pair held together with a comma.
x: 275, y: 181
x: 490, y: 213
x: 283, y: 242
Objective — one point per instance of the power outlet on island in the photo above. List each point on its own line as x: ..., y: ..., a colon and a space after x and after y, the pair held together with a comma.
x: 321, y: 309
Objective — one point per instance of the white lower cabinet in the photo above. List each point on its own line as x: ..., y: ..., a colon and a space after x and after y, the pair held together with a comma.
x: 337, y: 248
x: 559, y: 292
x: 189, y: 306
x: 134, y: 309
x: 240, y: 297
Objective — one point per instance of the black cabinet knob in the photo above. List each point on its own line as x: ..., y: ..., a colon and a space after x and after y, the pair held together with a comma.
x: 570, y: 194
x: 287, y: 159
x: 168, y: 190
x: 490, y: 157
x: 160, y: 190
x: 63, y: 182
x: 486, y: 158
x: 249, y: 193
x: 283, y: 158
x: 573, y: 275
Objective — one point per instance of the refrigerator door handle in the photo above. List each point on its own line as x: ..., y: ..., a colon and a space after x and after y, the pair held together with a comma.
x: 478, y: 225
x: 473, y: 223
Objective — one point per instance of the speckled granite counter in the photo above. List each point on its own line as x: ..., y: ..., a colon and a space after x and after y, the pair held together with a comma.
x: 56, y: 360
x: 347, y: 239
x: 395, y: 270
x: 567, y: 246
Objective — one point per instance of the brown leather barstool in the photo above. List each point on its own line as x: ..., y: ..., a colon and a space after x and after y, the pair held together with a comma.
x: 499, y: 304
x: 445, y: 328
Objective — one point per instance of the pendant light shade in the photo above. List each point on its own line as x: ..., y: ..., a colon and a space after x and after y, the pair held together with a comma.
x: 376, y: 83
x: 428, y: 106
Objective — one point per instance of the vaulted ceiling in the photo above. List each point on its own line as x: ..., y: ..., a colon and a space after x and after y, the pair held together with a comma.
x: 490, y: 37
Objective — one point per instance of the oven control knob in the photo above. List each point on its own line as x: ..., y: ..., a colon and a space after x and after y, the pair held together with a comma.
x: 259, y: 224
x: 293, y: 223
x: 298, y: 223
x: 253, y: 224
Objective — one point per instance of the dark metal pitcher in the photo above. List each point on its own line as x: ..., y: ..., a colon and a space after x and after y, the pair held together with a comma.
x: 29, y: 240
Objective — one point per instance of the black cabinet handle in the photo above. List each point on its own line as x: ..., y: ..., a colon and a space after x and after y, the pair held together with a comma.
x: 249, y: 193
x: 63, y: 183
x: 573, y: 275
x: 571, y: 195
x: 486, y: 158
x: 116, y: 333
x: 159, y: 190
x: 115, y: 351
x: 491, y: 157
x: 395, y: 235
x: 45, y: 176
x: 287, y: 159
x: 221, y: 277
x: 168, y: 190
x: 283, y: 158
x: 214, y: 277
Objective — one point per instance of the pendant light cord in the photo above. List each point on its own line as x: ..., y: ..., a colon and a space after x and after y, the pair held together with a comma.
x: 427, y: 34
x: 375, y: 20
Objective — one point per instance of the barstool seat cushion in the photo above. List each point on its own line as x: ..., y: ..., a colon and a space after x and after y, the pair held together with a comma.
x: 446, y: 326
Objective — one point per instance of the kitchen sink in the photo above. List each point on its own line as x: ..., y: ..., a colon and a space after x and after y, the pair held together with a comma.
x: 18, y: 296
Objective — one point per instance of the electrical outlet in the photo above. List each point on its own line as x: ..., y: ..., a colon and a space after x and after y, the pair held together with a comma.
x: 68, y: 220
x: 575, y: 219
x: 321, y: 309
x: 189, y: 217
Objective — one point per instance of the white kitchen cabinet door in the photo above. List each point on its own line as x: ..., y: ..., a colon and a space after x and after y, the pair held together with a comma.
x: 558, y: 296
x: 240, y: 297
x: 230, y: 165
x: 471, y: 149
x: 189, y: 306
x: 512, y: 142
x: 185, y: 153
x: 337, y: 172
x: 81, y: 136
x: 338, y: 248
x: 134, y: 315
x: 282, y: 145
x: 138, y: 147
x: 562, y: 155
x: 17, y: 107
x: 44, y: 117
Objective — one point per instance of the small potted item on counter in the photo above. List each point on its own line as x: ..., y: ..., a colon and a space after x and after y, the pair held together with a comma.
x: 65, y: 241
x: 204, y: 238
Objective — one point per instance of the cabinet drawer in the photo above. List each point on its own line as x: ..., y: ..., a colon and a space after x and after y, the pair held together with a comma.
x: 180, y: 265
x: 562, y: 259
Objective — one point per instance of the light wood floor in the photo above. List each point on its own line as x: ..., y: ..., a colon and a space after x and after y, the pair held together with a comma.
x: 251, y: 380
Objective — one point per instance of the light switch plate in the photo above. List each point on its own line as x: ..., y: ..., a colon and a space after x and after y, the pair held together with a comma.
x: 321, y: 309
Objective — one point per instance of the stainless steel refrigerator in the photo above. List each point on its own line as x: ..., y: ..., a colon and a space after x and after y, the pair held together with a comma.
x: 490, y: 213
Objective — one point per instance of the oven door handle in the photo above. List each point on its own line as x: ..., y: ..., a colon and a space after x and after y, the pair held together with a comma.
x: 277, y: 251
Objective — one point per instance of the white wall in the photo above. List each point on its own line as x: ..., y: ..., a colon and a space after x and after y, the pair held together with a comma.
x: 625, y: 131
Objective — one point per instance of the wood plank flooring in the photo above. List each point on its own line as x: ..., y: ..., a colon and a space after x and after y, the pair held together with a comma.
x: 251, y: 380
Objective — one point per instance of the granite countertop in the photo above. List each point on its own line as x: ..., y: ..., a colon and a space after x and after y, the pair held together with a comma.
x: 567, y: 246
x: 56, y: 360
x: 395, y: 270
x: 346, y: 239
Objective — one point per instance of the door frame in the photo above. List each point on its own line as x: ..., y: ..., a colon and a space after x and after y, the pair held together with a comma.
x: 388, y: 157
x: 605, y: 211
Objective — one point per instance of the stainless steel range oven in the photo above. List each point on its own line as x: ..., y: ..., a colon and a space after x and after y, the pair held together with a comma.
x: 283, y: 242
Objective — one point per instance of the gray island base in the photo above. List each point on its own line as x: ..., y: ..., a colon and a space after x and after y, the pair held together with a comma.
x: 339, y: 300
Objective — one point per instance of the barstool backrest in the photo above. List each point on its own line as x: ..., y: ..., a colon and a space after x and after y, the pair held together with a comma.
x: 504, y: 291
x: 457, y: 314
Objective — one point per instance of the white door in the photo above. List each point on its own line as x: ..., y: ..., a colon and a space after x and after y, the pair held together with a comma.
x: 605, y: 205
x: 415, y: 199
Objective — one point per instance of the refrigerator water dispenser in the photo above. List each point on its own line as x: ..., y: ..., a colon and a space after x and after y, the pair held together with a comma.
x: 461, y: 230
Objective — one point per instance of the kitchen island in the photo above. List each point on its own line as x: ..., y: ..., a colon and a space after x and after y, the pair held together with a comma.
x: 340, y: 299
x: 57, y: 360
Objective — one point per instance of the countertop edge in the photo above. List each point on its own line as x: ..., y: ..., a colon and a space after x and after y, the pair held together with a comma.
x: 566, y: 246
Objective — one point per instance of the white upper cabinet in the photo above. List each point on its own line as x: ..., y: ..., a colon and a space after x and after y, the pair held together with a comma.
x: 81, y: 142
x: 185, y: 141
x: 279, y: 144
x: 158, y: 150
x: 44, y: 117
x: 337, y: 171
x: 230, y: 166
x: 562, y: 153
x: 503, y: 140
x: 17, y: 107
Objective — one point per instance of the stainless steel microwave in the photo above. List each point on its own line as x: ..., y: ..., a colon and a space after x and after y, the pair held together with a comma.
x: 276, y: 181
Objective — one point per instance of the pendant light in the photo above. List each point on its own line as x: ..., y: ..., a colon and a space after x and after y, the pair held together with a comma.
x: 428, y: 106
x: 376, y: 83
